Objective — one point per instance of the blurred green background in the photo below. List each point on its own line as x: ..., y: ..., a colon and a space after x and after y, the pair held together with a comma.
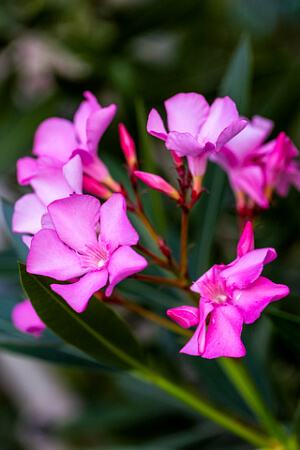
x: 138, y: 53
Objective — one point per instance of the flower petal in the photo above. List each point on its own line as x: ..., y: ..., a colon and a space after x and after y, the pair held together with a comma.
x: 196, y: 344
x: 253, y: 300
x: 155, y: 125
x: 73, y: 174
x: 50, y: 184
x: 123, y: 263
x: 26, y: 319
x: 86, y: 108
x: 229, y: 132
x: 27, y: 215
x: 26, y: 168
x: 185, y: 316
x: 50, y: 257
x: 97, y: 124
x: 221, y: 114
x: 223, y: 335
x: 75, y: 219
x: 55, y: 137
x: 246, y: 242
x: 250, y: 179
x: 115, y: 227
x: 78, y: 294
x: 186, y: 112
x: 252, y: 136
x: 247, y: 269
x: 184, y: 144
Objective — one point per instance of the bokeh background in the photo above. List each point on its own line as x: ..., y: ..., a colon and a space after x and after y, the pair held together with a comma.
x: 137, y: 53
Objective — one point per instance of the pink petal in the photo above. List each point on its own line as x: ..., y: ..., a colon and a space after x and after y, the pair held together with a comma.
x: 155, y: 125
x: 115, y: 227
x: 75, y: 219
x: 247, y: 269
x: 223, y: 335
x: 46, y: 222
x: 184, y: 144
x: 26, y: 169
x: 50, y: 257
x: 196, y: 344
x: 86, y: 108
x: 28, y: 214
x: 27, y: 240
x: 229, y: 132
x: 250, y: 179
x: 73, y: 174
x: 221, y: 115
x: 197, y: 164
x: 186, y: 112
x: 50, y: 184
x: 252, y: 136
x: 185, y: 316
x: 253, y: 300
x: 55, y: 137
x: 246, y: 242
x: 96, y: 169
x: 123, y: 263
x: 78, y: 294
x: 26, y: 319
x: 96, y: 126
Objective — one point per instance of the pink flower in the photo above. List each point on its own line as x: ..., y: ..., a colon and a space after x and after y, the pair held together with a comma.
x: 196, y: 129
x: 237, y: 159
x: 158, y: 183
x: 85, y: 244
x: 61, y: 139
x: 279, y: 165
x: 229, y: 296
x: 26, y: 319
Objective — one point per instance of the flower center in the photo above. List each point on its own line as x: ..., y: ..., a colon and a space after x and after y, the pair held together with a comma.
x: 214, y: 287
x: 95, y: 256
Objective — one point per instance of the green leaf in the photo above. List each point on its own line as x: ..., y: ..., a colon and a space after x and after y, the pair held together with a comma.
x: 237, y: 80
x: 98, y: 331
x: 288, y: 326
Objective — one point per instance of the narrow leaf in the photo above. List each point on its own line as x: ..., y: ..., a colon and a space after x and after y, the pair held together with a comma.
x: 97, y: 331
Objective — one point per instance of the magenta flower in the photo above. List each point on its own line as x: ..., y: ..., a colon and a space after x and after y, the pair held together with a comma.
x: 229, y: 296
x: 196, y: 129
x: 279, y: 165
x: 26, y: 319
x: 237, y: 159
x: 85, y: 244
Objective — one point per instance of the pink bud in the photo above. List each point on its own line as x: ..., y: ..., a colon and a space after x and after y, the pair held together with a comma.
x: 128, y: 147
x: 94, y: 187
x: 158, y: 183
x: 246, y: 243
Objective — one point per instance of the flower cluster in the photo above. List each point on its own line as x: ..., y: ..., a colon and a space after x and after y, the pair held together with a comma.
x: 89, y: 245
x: 230, y: 296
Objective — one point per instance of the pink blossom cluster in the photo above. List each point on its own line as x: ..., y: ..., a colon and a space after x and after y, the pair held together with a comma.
x: 86, y: 246
x: 230, y: 295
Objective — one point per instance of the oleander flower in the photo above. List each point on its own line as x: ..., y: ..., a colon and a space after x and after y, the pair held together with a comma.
x: 26, y: 319
x: 196, y: 129
x: 230, y: 295
x: 85, y: 244
x: 279, y: 165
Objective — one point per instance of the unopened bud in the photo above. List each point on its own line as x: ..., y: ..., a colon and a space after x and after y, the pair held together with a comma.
x: 158, y: 183
x: 94, y: 187
x: 128, y: 147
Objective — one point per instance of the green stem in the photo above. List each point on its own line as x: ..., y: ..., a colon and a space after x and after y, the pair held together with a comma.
x: 246, y: 432
x: 241, y: 378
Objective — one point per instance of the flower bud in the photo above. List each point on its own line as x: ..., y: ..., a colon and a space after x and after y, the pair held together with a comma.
x: 128, y: 147
x: 94, y: 187
x: 158, y: 183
